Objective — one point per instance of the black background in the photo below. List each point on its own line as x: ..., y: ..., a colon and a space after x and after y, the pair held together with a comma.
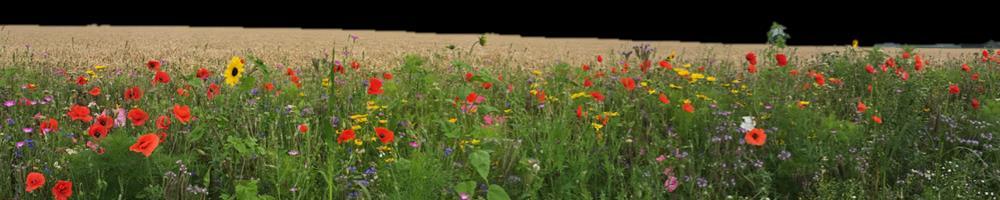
x: 834, y: 26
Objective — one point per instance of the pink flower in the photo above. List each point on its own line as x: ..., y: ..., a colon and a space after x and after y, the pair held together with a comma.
x: 671, y: 184
x: 415, y: 144
x: 661, y: 158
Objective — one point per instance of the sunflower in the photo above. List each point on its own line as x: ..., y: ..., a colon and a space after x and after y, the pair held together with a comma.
x: 234, y: 71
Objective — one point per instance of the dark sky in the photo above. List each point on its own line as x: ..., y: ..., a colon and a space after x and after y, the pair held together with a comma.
x: 805, y: 27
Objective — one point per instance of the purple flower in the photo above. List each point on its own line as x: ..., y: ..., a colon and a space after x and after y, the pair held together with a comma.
x: 784, y: 155
x: 415, y: 144
x: 702, y: 182
x: 10, y: 121
x: 27, y: 129
x: 120, y: 117
x: 447, y: 151
x: 9, y: 103
x: 463, y: 196
x: 370, y: 171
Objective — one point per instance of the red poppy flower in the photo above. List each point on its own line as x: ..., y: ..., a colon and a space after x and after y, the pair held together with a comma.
x: 541, y: 96
x: 688, y: 107
x: 161, y: 77
x: 587, y: 82
x: 918, y: 63
x: 133, y: 93
x: 664, y: 99
x: 95, y: 91
x: 295, y: 80
x: 752, y: 58
x: 876, y: 119
x: 339, y: 68
x: 666, y: 65
x: 268, y: 86
x: 891, y: 62
x: 862, y: 107
x: 487, y: 85
x: 153, y: 65
x: 183, y: 113
x: 782, y: 59
x: 213, y: 90
x: 906, y: 55
x: 905, y: 76
x: 600, y: 59
x: 884, y: 68
x: 645, y: 65
x: 965, y: 67
x: 355, y: 65
x: 203, y: 73
x: 50, y: 125
x: 375, y: 86
x: 953, y: 89
x: 105, y: 121
x: 471, y: 97
x: 975, y: 104
x: 303, y: 128
x: 819, y: 79
x: 137, y: 116
x: 387, y: 76
x: 869, y: 88
x: 597, y: 96
x: 870, y: 69
x: 146, y: 144
x: 752, y: 68
x: 345, y: 136
x: 579, y: 112
x: 182, y: 92
x: 163, y: 122
x: 33, y: 181
x: 756, y: 137
x: 81, y: 113
x: 793, y: 72
x: 975, y: 76
x: 986, y: 54
x: 289, y: 72
x: 468, y: 76
x: 586, y: 67
x: 384, y: 134
x: 97, y: 131
x: 81, y: 80
x: 62, y: 190
x: 629, y: 83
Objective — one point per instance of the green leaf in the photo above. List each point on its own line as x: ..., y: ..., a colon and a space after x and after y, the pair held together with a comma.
x: 481, y: 162
x: 468, y: 187
x: 246, y: 190
x: 497, y: 193
x: 247, y: 83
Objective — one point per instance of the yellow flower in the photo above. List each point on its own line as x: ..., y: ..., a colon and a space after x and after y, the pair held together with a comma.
x: 736, y: 81
x: 100, y: 67
x: 675, y: 86
x: 710, y: 78
x: 326, y: 82
x: 234, y: 71
x: 302, y: 94
x: 384, y: 148
x: 383, y: 121
x: 360, y: 118
x: 681, y: 72
x: 474, y: 142
x: 578, y: 95
x: 452, y: 120
x: 643, y: 83
x: 533, y: 92
x: 372, y: 105
x: 355, y: 127
x: 854, y: 43
x: 610, y: 114
x: 687, y: 65
x: 536, y: 72
x: 508, y: 111
x: 803, y: 103
x: 651, y: 91
x: 92, y: 73
x: 687, y: 101
x: 597, y: 126
x: 390, y: 160
x: 358, y: 142
x: 672, y: 56
x: 697, y: 76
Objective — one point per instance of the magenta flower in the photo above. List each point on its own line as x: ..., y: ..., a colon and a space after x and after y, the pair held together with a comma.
x: 671, y: 184
x: 8, y: 103
x: 661, y: 158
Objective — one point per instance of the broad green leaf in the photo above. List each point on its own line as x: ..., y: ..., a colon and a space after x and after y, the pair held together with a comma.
x: 497, y: 193
x: 481, y: 162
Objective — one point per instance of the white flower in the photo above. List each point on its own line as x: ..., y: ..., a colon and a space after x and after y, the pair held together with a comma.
x: 748, y: 123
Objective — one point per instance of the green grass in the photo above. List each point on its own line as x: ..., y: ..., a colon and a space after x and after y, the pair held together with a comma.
x: 244, y: 144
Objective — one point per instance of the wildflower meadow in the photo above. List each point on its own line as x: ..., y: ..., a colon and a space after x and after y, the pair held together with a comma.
x: 636, y: 123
